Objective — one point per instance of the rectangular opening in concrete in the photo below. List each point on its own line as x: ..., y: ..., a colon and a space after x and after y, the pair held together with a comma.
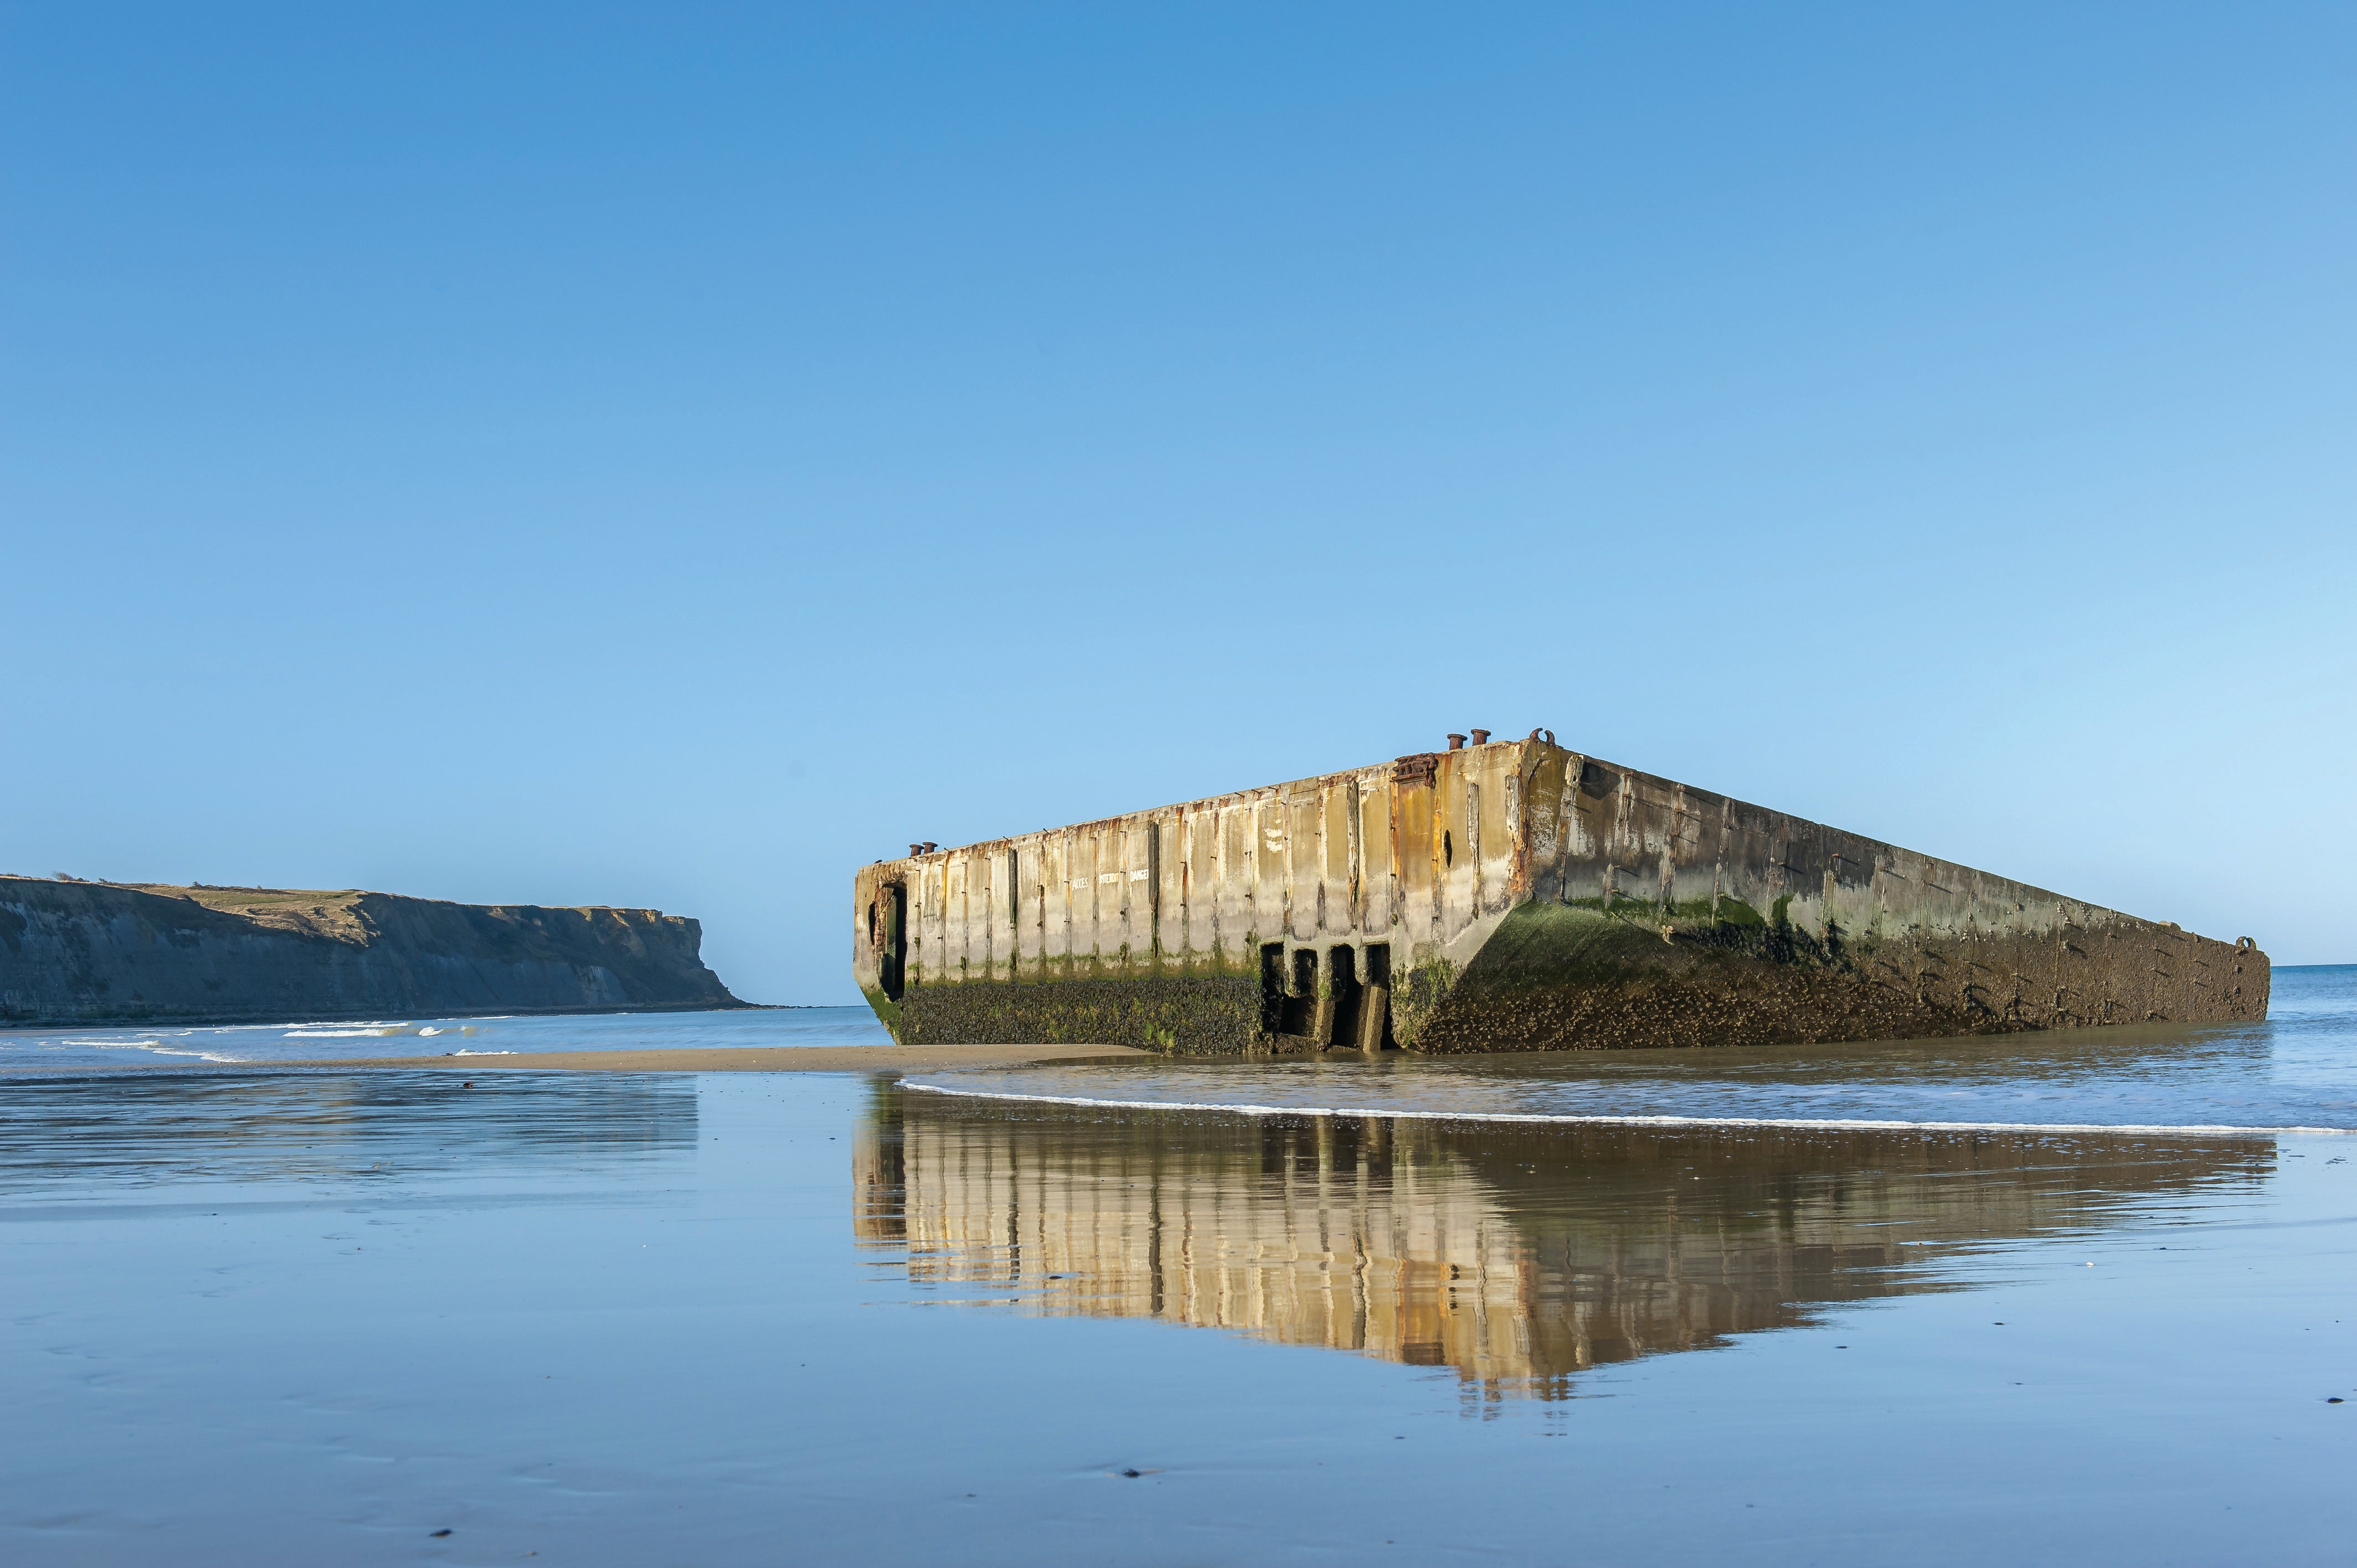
x: 1374, y: 1031
x: 888, y: 928
x: 1301, y: 997
x: 1342, y: 989
x: 1272, y: 988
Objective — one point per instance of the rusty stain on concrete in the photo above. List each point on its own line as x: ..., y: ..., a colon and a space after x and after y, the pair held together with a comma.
x: 1514, y: 896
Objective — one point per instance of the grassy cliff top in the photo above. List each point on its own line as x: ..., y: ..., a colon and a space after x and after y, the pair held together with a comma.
x: 309, y: 911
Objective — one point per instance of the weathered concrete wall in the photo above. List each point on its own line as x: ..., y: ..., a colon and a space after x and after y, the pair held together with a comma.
x: 1661, y: 915
x: 1442, y: 1245
x: 81, y: 951
x: 1506, y: 896
x: 1083, y: 930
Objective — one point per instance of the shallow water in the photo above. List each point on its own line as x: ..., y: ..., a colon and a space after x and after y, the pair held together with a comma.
x: 2295, y: 1071
x: 260, y: 1043
x: 316, y: 1316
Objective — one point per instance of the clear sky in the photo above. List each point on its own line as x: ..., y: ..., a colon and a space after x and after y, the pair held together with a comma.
x: 674, y: 455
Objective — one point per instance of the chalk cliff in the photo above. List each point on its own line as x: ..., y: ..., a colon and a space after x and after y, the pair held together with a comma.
x: 94, y: 952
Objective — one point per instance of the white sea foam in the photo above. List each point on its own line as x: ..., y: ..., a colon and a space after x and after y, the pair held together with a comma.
x: 1861, y: 1124
x: 156, y: 1047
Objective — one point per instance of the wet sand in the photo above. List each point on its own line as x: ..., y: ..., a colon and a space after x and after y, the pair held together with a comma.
x: 749, y: 1058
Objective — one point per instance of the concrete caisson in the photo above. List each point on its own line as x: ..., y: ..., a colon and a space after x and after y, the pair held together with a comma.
x: 1508, y: 896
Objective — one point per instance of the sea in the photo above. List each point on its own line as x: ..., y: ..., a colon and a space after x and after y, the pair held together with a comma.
x: 259, y: 1045
x: 2038, y: 1298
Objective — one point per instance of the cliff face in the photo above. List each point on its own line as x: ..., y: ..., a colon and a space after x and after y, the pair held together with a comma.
x: 92, y: 952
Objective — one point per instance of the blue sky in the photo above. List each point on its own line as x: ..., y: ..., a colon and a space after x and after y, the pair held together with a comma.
x: 675, y: 455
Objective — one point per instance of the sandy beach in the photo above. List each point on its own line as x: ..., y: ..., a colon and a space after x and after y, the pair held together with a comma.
x: 748, y: 1058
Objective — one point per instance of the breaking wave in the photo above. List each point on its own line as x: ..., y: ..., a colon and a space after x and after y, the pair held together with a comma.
x: 1799, y: 1123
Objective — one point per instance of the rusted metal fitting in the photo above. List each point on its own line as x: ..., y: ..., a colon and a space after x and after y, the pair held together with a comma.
x: 916, y: 849
x: 1456, y: 743
x: 1481, y: 738
x: 930, y: 846
x: 1544, y: 734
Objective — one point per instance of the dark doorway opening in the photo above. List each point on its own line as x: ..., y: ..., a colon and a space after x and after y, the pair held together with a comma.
x: 1272, y: 989
x: 1301, y: 997
x: 887, y: 921
x: 1342, y: 986
x: 1374, y: 1031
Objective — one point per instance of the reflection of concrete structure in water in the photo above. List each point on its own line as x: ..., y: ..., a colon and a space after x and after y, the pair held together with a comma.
x: 1516, y: 1254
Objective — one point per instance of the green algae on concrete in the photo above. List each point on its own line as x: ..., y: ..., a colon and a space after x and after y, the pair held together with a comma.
x: 1193, y: 1015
